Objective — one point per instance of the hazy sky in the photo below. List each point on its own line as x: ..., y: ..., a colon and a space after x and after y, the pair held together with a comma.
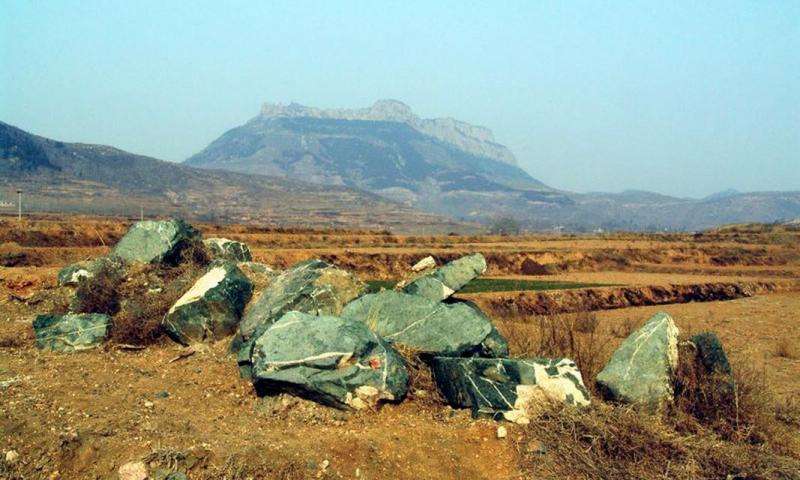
x: 683, y: 98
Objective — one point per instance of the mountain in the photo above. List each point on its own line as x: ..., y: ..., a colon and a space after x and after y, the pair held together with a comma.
x: 438, y: 165
x: 452, y: 168
x: 76, y: 177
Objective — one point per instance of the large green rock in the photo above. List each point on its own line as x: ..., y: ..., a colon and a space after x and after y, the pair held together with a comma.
x: 226, y: 249
x: 428, y: 326
x: 711, y: 354
x: 514, y: 389
x: 641, y: 370
x: 152, y: 241
x: 212, y: 308
x: 313, y: 287
x: 73, y: 274
x: 446, y: 280
x: 71, y: 332
x: 331, y: 360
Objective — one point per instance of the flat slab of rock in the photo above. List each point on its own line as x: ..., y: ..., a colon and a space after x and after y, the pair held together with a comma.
x: 641, y: 370
x: 156, y: 241
x: 446, y: 280
x: 427, y: 326
x: 212, y: 308
x: 331, y: 360
x: 71, y: 332
x: 514, y: 389
x: 226, y: 249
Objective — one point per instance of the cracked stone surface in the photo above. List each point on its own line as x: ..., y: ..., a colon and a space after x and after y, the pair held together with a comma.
x: 428, y: 326
x: 331, y: 360
x: 71, y: 332
x: 314, y: 287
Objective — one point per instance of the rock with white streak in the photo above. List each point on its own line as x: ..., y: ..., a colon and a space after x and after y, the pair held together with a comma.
x: 71, y: 332
x: 641, y: 370
x: 445, y: 281
x: 512, y: 389
x: 314, y: 286
x: 212, y: 307
x: 223, y: 248
x: 428, y: 326
x: 331, y: 360
x: 152, y: 241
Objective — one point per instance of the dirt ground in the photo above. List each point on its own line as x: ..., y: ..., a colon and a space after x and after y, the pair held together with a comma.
x: 76, y: 416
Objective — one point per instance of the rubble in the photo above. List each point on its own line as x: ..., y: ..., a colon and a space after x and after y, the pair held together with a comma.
x: 444, y: 281
x: 153, y: 241
x: 71, y: 332
x: 225, y: 249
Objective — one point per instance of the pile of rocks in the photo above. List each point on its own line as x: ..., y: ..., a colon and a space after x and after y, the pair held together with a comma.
x: 315, y: 331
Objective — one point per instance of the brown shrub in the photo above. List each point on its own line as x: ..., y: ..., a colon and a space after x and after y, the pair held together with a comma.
x: 98, y: 294
x: 606, y: 441
x: 421, y: 385
x: 142, y: 311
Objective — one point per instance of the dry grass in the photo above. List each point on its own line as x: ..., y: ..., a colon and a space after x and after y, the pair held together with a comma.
x: 607, y: 441
x: 574, y: 336
x: 719, y: 427
x: 625, y: 328
x: 787, y: 348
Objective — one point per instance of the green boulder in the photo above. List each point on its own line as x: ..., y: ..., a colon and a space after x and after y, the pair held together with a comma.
x: 226, y: 249
x: 152, y: 241
x: 641, y: 370
x: 514, y: 389
x: 427, y: 326
x: 331, y: 360
x: 444, y: 281
x: 711, y: 354
x: 71, y: 332
x: 313, y: 287
x: 212, y: 308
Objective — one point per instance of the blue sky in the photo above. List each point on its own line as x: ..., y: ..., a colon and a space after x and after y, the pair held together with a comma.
x: 683, y: 98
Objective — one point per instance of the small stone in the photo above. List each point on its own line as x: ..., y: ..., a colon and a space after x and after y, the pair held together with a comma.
x: 502, y: 432
x: 133, y: 471
x: 163, y: 394
x: 11, y: 457
x: 148, y: 404
x: 424, y: 264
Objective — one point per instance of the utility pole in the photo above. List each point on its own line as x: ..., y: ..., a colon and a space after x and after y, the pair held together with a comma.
x: 19, y: 205
x: 141, y: 213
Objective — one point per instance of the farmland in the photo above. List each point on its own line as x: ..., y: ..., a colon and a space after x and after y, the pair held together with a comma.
x: 83, y: 415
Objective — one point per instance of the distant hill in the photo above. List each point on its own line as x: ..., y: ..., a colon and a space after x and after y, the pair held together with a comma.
x: 78, y: 177
x: 450, y: 167
x: 439, y: 165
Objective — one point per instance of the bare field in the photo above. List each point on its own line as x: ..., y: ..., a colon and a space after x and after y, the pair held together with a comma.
x: 83, y: 415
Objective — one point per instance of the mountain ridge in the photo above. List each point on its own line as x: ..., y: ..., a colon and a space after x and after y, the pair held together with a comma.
x: 80, y: 177
x: 474, y: 139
